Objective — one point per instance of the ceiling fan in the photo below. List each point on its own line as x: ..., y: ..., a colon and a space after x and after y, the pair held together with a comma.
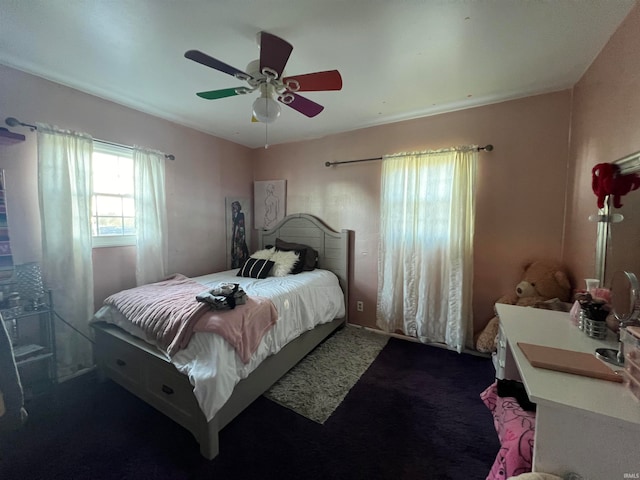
x: 266, y: 75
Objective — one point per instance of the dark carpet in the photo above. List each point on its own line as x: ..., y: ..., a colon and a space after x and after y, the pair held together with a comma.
x: 414, y: 414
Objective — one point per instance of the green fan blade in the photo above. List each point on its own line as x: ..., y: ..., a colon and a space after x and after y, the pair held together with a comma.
x: 215, y: 94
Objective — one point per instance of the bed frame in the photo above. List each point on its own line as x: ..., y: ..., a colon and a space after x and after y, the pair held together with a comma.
x: 144, y: 371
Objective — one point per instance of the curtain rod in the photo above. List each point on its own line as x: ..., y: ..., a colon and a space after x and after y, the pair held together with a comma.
x: 487, y: 148
x: 14, y: 122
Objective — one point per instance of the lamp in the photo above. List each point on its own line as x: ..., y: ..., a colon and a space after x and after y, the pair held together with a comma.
x: 265, y: 108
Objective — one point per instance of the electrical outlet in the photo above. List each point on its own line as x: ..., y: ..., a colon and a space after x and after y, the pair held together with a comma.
x: 360, y: 306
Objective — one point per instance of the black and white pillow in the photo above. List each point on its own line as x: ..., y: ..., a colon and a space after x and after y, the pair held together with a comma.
x: 308, y: 255
x: 256, y: 268
x: 264, y: 254
x: 284, y: 263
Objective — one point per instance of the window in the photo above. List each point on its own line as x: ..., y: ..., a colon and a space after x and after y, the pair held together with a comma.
x: 428, y: 204
x: 112, y: 202
x: 427, y: 215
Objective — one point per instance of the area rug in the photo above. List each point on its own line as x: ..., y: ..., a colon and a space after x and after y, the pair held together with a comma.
x: 317, y: 385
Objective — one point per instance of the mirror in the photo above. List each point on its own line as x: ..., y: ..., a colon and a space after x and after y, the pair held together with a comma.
x: 618, y: 242
x: 625, y: 304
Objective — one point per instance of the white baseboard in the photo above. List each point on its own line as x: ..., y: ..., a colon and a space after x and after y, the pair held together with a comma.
x: 415, y: 340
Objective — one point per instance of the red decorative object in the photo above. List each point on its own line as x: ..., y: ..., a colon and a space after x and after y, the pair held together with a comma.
x: 607, y: 180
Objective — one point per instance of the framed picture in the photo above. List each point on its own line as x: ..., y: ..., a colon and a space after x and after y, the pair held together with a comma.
x: 238, y: 221
x: 269, y: 203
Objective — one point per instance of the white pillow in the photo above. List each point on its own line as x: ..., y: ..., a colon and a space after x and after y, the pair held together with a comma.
x: 284, y: 262
x: 263, y: 254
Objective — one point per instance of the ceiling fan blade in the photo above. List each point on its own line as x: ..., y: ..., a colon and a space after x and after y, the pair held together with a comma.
x: 274, y: 52
x: 222, y: 93
x: 204, y: 59
x: 301, y: 104
x: 314, y: 82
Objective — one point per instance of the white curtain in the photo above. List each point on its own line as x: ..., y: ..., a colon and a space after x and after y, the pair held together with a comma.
x: 64, y: 193
x: 151, y: 215
x: 425, y: 270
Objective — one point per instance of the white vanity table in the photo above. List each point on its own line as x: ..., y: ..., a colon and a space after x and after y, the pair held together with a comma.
x: 583, y: 425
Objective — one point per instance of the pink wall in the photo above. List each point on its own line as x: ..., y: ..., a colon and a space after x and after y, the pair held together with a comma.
x: 521, y: 192
x: 605, y: 126
x: 206, y: 170
x: 524, y: 183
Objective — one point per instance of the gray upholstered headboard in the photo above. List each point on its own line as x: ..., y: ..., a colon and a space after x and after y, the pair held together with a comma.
x: 332, y: 246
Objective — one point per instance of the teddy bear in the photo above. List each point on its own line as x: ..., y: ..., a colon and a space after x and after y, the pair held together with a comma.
x: 542, y: 282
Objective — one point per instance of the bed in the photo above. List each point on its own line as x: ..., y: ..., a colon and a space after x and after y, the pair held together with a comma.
x: 168, y: 383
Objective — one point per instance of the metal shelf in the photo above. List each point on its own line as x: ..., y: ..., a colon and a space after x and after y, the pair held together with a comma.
x: 31, y: 313
x: 34, y: 342
x: 34, y: 358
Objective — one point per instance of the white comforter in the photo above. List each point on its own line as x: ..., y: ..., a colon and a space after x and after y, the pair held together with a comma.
x: 212, y: 365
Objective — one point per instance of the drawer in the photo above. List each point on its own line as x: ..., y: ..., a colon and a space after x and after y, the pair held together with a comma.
x: 631, y: 342
x: 632, y: 366
x: 498, y: 365
x: 119, y: 360
x: 142, y: 370
x: 633, y: 385
x: 172, y: 389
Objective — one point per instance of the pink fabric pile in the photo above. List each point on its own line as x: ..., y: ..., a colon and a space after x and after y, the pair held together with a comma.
x: 515, y: 428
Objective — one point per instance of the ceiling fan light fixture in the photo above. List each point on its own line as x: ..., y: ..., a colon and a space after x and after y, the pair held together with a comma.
x: 266, y: 109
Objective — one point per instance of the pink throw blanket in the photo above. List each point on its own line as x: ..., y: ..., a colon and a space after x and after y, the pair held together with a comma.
x: 168, y: 313
x: 516, y: 429
x: 243, y: 327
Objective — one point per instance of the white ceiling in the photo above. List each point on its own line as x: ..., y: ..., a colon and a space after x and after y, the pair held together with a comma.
x: 399, y: 59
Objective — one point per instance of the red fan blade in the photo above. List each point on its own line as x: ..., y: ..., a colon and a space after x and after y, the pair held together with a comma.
x: 274, y: 52
x: 314, y: 82
x: 301, y: 104
x: 208, y: 61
